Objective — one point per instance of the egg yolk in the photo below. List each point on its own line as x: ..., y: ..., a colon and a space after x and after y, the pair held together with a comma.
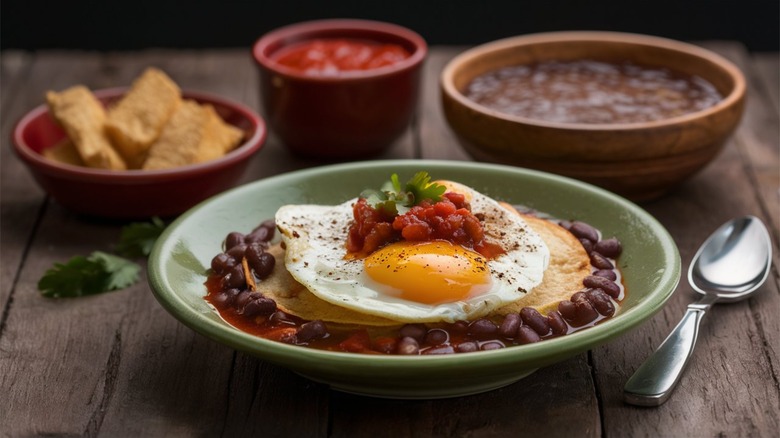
x: 432, y: 272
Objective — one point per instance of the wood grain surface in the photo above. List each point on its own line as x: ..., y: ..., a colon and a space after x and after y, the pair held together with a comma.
x: 118, y: 365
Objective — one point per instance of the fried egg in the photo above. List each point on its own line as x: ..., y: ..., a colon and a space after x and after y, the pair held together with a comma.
x: 413, y: 281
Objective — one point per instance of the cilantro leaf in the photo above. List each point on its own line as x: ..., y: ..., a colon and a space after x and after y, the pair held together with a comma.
x: 395, y: 200
x: 380, y: 201
x: 98, y: 273
x: 137, y: 239
x: 421, y: 187
x: 123, y: 272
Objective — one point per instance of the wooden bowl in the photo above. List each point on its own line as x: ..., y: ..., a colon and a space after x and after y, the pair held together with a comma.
x: 641, y: 161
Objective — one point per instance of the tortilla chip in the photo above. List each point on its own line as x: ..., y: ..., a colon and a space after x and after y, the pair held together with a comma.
x: 64, y: 152
x: 82, y: 117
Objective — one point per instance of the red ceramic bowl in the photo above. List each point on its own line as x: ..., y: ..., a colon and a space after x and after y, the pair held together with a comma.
x: 352, y: 115
x: 132, y: 194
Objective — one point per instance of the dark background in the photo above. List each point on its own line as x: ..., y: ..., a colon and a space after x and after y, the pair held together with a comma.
x: 129, y: 25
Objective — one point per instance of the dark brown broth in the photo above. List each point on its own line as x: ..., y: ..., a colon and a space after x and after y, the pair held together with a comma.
x: 592, y: 92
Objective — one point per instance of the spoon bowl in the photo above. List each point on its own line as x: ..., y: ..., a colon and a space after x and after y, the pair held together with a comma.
x: 734, y: 261
x: 730, y: 266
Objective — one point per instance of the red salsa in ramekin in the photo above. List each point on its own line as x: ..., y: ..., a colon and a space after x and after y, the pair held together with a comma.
x: 331, y: 56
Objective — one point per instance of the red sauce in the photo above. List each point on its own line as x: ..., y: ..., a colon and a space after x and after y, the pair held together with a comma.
x: 282, y: 327
x: 449, y: 219
x: 329, y: 57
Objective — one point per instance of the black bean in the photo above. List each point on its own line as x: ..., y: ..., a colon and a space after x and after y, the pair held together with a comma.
x: 442, y: 349
x: 609, y: 247
x: 509, y: 326
x: 268, y: 223
x: 254, y: 239
x: 280, y: 317
x: 233, y: 239
x: 606, y: 273
x: 237, y: 252
x: 260, y: 261
x: 599, y: 261
x: 605, y: 284
x: 232, y: 294
x: 221, y: 263
x: 253, y: 250
x: 532, y: 318
x: 226, y: 297
x: 567, y: 309
x: 467, y: 347
x: 459, y: 327
x: 312, y: 330
x: 234, y: 278
x: 414, y: 331
x: 557, y: 324
x: 260, y: 234
x: 601, y: 302
x: 587, y: 244
x: 579, y: 296
x: 260, y: 306
x: 436, y: 337
x: 266, y: 266
x: 408, y: 345
x: 220, y: 299
x: 584, y: 231
x: 491, y: 345
x: 584, y: 313
x: 482, y: 327
x: 527, y: 335
x: 242, y: 298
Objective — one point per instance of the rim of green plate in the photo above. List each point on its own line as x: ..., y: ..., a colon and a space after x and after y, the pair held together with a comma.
x: 539, y: 353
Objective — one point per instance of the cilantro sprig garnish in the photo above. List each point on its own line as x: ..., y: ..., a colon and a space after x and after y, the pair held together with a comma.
x: 102, y: 272
x: 137, y: 239
x: 393, y: 199
x: 98, y: 273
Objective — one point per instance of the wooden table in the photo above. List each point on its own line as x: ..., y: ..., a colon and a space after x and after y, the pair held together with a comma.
x: 118, y: 365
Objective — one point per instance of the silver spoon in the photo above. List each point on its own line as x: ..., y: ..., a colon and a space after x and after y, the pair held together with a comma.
x: 730, y: 265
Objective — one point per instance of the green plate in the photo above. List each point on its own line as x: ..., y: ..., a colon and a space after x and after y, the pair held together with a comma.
x: 650, y: 264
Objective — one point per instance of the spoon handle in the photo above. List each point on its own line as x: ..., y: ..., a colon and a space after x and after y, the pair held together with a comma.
x: 654, y: 381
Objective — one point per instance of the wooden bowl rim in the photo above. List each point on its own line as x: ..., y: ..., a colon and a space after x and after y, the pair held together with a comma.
x: 728, y: 101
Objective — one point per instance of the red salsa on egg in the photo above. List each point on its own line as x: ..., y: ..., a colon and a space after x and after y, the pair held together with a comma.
x: 333, y: 56
x: 447, y: 219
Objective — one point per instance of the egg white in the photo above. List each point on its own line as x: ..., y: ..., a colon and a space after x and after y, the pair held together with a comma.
x: 315, y: 237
